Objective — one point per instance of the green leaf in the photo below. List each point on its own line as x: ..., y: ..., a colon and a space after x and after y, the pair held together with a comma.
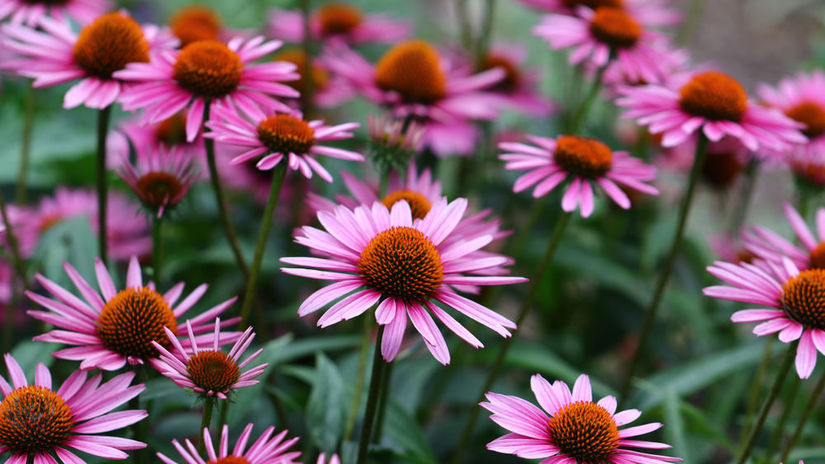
x: 29, y: 353
x: 326, y: 408
x: 71, y: 241
x: 401, y: 427
x: 675, y: 426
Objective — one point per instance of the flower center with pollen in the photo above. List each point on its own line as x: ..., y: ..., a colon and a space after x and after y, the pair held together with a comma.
x: 208, y: 68
x: 803, y: 298
x: 319, y: 76
x: 413, y: 70
x: 230, y: 460
x: 338, y: 18
x: 583, y: 157
x: 512, y: 76
x: 286, y: 134
x: 715, y: 96
x: 817, y: 257
x: 592, y: 3
x: 195, y: 23
x: 132, y: 319
x: 419, y: 204
x: 34, y: 420
x: 213, y: 371
x: 110, y: 43
x: 812, y: 115
x: 157, y: 189
x: 584, y: 431
x: 615, y: 27
x: 402, y: 263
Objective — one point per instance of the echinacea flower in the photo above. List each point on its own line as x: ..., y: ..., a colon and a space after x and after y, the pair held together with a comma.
x: 322, y: 459
x: 586, y: 162
x: 392, y: 143
x: 519, y: 88
x: 770, y: 246
x: 712, y: 103
x: 209, y: 371
x: 652, y: 12
x: 195, y: 22
x: 641, y: 54
x: 328, y: 89
x: 39, y: 422
x: 127, y: 230
x: 406, y: 266
x: 412, y: 80
x: 267, y: 449
x: 282, y: 137
x: 725, y: 162
x: 224, y: 75
x: 133, y: 134
x: 342, y: 22
x: 571, y: 428
x: 110, y: 328
x: 57, y: 55
x: 796, y: 302
x: 160, y: 178
x: 31, y: 12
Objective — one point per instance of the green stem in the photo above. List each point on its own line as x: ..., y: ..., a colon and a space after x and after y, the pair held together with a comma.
x: 465, y: 31
x: 278, y: 175
x: 766, y: 406
x: 378, y: 366
x: 483, y: 40
x: 580, y: 115
x: 103, y: 117
x: 756, y: 387
x: 745, y: 195
x: 526, y: 304
x: 386, y: 382
x: 25, y: 145
x: 221, y: 200
x: 224, y: 414
x: 11, y: 238
x: 664, y: 275
x: 208, y: 407
x: 820, y: 386
x: 156, y: 248
x: 779, y: 430
x: 306, y: 80
x: 359, y: 380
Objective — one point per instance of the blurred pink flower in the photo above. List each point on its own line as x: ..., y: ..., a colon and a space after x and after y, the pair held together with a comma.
x: 801, y: 98
x: 160, y: 177
x: 31, y: 12
x: 338, y: 21
x: 650, y: 12
x: 770, y: 246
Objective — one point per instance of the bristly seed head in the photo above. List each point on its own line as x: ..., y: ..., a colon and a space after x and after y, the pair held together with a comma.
x: 132, y: 319
x: 158, y: 189
x: 615, y: 27
x: 419, y: 204
x: 208, y: 68
x: 402, y: 263
x: 413, y: 70
x: 817, y: 257
x: 584, y: 431
x: 34, y: 420
x: 803, y: 298
x: 715, y: 96
x: 108, y: 44
x: 583, y: 157
x: 196, y: 22
x: 338, y: 18
x: 213, y: 371
x: 283, y: 133
x: 812, y: 115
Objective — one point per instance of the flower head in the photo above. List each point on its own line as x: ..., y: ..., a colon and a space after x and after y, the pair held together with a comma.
x: 161, y: 177
x: 209, y: 371
x: 587, y: 162
x: 328, y: 89
x: 796, y: 299
x: 770, y: 246
x: 37, y: 420
x: 266, y: 449
x: 282, y: 137
x: 713, y: 103
x: 195, y: 22
x: 519, y: 88
x: 56, y: 55
x: 651, y: 12
x: 406, y: 266
x: 414, y: 81
x: 113, y: 327
x: 391, y: 145
x: 31, y: 12
x: 571, y: 428
x: 339, y: 22
x: 209, y: 71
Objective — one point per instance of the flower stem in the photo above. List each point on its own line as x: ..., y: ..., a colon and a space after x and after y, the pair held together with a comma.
x: 766, y: 406
x: 307, y: 90
x: 221, y: 200
x: 11, y: 238
x: 664, y: 275
x: 745, y: 195
x: 278, y: 175
x: 756, y: 388
x: 378, y: 366
x: 580, y: 115
x: 25, y: 145
x: 103, y: 117
x: 820, y: 386
x: 483, y: 39
x: 526, y: 304
x: 779, y: 430
x: 386, y: 381
x: 208, y: 407
x: 156, y: 248
x: 224, y: 414
x: 359, y: 379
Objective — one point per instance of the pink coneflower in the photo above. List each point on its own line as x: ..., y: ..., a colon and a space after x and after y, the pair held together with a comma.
x: 404, y: 265
x: 796, y: 299
x: 160, y: 178
x: 593, y: 35
x: 328, y: 89
x: 713, y: 103
x: 651, y: 12
x: 585, y: 161
x: 282, y: 137
x: 413, y: 81
x: 57, y: 55
x: 572, y: 428
x: 725, y: 162
x: 392, y: 142
x: 770, y: 246
x: 195, y: 22
x: 519, y: 88
x: 169, y: 133
x: 209, y: 371
x: 322, y: 459
x: 208, y: 70
x: 41, y: 423
x: 31, y: 12
x: 341, y: 22
x: 267, y: 449
x: 801, y: 99
x: 731, y: 249
x: 119, y: 327
x: 127, y: 231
